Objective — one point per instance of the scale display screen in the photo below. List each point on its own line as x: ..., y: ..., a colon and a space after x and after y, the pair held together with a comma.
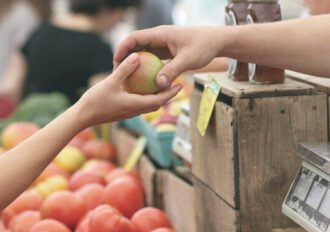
x: 309, y: 197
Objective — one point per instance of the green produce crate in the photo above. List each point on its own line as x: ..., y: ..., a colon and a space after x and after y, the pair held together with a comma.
x: 159, y: 144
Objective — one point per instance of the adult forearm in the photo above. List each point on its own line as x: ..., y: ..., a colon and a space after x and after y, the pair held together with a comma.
x: 301, y: 45
x: 24, y: 163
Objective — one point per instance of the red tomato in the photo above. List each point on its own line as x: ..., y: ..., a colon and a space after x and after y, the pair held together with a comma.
x: 163, y: 230
x: 65, y: 207
x: 82, y: 178
x: 83, y: 225
x: 24, y: 221
x: 148, y: 219
x: 49, y: 225
x: 99, y: 149
x: 118, y: 172
x: 91, y: 194
x: 106, y: 219
x: 29, y: 200
x: 125, y: 195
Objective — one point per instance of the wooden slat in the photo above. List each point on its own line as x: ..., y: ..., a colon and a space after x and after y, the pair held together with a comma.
x: 320, y: 83
x: 213, y: 154
x: 178, y: 198
x: 148, y: 174
x: 213, y: 214
x: 269, y: 131
x: 124, y: 142
x: 247, y: 90
x: 289, y: 230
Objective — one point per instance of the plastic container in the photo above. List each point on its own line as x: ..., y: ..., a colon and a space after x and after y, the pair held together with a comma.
x: 159, y: 144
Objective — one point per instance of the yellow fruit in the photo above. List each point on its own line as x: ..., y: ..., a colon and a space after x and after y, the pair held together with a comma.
x: 70, y: 158
x: 51, y: 185
x: 153, y: 115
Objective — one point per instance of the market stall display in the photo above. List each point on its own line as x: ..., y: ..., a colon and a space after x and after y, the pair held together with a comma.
x: 81, y: 190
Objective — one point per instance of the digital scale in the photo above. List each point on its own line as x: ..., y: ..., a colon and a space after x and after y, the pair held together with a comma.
x: 182, y: 142
x: 308, y: 200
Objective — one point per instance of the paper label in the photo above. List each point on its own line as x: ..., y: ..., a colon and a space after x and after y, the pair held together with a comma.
x: 211, y: 91
x: 136, y: 153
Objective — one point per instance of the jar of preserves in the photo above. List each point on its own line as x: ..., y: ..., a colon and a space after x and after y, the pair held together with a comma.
x: 262, y: 11
x: 236, y: 14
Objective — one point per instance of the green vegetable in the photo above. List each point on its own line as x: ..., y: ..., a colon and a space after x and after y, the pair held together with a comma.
x: 39, y: 109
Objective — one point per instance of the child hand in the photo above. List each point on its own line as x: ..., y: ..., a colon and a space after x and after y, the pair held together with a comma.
x: 108, y: 102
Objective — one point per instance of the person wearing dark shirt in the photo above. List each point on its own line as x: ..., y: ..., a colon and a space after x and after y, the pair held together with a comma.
x: 67, y: 54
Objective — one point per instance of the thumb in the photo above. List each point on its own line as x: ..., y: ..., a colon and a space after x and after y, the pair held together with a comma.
x: 171, y: 71
x: 127, y: 67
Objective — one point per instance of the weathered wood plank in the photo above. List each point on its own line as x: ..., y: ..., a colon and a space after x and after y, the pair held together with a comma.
x: 269, y: 131
x: 179, y: 204
x: 289, y: 230
x: 320, y: 83
x: 213, y: 154
x: 247, y: 90
x: 212, y: 213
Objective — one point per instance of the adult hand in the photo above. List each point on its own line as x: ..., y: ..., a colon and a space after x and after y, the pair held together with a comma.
x: 187, y: 47
x: 108, y: 102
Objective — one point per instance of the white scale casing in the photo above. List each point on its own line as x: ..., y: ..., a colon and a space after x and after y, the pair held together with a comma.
x: 308, y: 200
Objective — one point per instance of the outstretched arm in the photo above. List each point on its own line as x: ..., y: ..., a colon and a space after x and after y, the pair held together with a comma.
x: 301, y: 45
x: 105, y: 102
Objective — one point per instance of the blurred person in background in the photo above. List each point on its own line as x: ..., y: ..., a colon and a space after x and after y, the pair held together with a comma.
x: 67, y: 53
x: 18, y: 19
x: 317, y: 7
x: 155, y: 13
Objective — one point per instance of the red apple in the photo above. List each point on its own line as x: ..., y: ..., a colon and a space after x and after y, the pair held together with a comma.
x: 24, y: 221
x: 82, y: 178
x: 99, y: 149
x: 125, y: 195
x: 143, y: 79
x: 49, y: 225
x: 16, y: 133
x: 65, y: 207
x: 100, y: 166
x: 91, y: 194
x: 29, y: 200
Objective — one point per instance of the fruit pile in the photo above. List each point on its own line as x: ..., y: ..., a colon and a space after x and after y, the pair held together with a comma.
x: 82, y: 190
x: 165, y: 119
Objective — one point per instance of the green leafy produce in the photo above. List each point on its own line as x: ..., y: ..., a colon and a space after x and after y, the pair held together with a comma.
x: 39, y: 109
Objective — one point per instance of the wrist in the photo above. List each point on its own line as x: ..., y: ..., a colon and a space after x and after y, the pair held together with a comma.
x: 227, y: 40
x: 78, y: 117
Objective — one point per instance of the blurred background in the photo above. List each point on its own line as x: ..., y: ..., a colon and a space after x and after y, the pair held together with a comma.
x: 67, y: 45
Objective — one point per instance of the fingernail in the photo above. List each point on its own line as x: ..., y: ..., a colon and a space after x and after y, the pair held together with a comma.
x: 163, y: 81
x: 133, y: 58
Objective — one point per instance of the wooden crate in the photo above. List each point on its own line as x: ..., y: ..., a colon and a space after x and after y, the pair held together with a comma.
x: 248, y: 155
x: 178, y: 202
x: 322, y: 84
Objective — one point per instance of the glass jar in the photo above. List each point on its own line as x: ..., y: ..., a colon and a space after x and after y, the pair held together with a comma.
x: 262, y: 11
x: 236, y: 14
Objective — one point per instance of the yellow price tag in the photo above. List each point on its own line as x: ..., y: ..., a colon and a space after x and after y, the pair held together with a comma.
x: 136, y: 153
x: 211, y: 91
